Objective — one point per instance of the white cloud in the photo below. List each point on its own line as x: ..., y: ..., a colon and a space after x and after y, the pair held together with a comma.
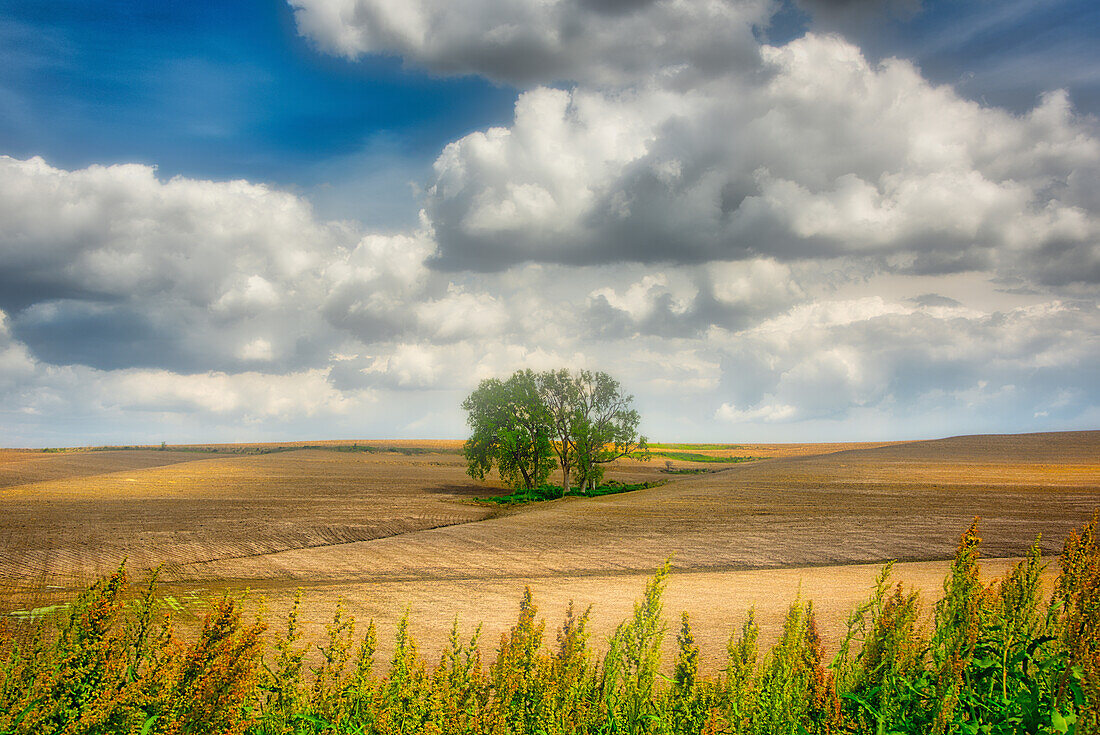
x: 119, y: 231
x: 461, y: 314
x: 640, y: 300
x: 744, y: 234
x: 407, y: 366
x: 829, y: 359
x: 756, y: 284
x: 250, y: 396
x: 767, y: 413
x: 108, y: 266
x: 253, y: 294
x: 258, y: 349
x: 525, y: 41
x: 827, y: 156
x: 16, y: 363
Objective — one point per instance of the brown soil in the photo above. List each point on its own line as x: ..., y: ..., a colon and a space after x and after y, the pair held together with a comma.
x: 382, y: 529
x: 23, y: 467
x: 768, y: 451
x: 716, y: 601
x: 64, y: 533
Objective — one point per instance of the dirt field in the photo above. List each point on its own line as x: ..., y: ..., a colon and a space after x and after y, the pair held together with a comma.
x: 384, y: 528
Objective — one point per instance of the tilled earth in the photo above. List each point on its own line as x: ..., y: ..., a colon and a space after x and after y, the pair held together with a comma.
x: 387, y: 528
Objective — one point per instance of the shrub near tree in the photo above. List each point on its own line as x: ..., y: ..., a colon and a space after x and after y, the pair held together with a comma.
x: 522, y: 424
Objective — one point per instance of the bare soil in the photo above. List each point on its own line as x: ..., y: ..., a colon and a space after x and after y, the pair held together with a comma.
x: 387, y: 528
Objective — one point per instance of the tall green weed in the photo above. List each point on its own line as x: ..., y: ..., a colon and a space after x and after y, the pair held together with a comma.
x: 989, y: 659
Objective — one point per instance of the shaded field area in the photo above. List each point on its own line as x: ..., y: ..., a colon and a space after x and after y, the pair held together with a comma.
x: 380, y: 529
x: 63, y: 533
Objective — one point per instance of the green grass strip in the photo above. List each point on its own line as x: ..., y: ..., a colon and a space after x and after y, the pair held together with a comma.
x: 696, y: 446
x: 691, y: 457
x: 553, y: 492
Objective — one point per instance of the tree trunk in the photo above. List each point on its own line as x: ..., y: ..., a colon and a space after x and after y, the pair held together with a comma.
x: 564, y: 478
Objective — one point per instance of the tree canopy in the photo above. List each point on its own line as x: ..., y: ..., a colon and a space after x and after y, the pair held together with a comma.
x: 510, y: 431
x: 531, y: 421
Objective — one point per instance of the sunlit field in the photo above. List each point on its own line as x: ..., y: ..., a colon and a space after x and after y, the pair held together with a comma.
x: 396, y: 531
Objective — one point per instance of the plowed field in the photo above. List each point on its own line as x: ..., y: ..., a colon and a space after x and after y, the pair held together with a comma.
x: 384, y: 528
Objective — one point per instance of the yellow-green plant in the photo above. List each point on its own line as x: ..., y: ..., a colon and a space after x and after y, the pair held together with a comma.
x: 689, y: 698
x: 996, y: 660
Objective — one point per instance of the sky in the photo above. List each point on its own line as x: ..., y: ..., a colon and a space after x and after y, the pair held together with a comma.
x: 771, y: 220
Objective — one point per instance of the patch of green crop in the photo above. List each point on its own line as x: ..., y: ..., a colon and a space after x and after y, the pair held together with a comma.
x: 691, y: 457
x: 553, y: 492
x: 696, y: 446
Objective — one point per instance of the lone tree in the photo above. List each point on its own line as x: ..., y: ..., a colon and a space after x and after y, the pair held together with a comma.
x: 522, y: 424
x: 510, y: 430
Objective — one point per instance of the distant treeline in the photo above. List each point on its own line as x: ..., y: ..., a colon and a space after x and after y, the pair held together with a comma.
x: 995, y: 659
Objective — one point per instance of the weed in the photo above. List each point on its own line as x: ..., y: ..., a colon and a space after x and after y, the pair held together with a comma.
x: 997, y: 659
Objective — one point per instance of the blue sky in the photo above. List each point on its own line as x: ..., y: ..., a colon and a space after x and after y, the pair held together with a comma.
x: 776, y: 221
x: 218, y: 91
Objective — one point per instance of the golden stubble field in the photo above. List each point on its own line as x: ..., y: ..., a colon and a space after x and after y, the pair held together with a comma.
x: 397, y: 526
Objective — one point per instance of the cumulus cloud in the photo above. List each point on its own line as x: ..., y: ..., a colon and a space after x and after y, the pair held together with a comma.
x: 114, y: 231
x: 369, y: 292
x: 33, y: 388
x: 828, y: 156
x: 858, y: 18
x: 825, y: 360
x: 685, y: 302
x: 16, y: 363
x: 531, y: 41
x: 743, y: 233
x: 111, y: 267
x: 246, y: 395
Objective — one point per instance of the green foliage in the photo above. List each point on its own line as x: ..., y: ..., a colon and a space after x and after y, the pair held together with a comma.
x: 795, y: 693
x: 511, y: 431
x: 737, y: 692
x: 878, y: 679
x: 692, y: 457
x: 695, y: 446
x: 404, y: 703
x: 995, y: 660
x: 1077, y: 599
x: 518, y: 677
x: 630, y: 668
x: 689, y: 698
x: 604, y: 427
x: 521, y: 424
x: 457, y: 685
x: 553, y: 492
